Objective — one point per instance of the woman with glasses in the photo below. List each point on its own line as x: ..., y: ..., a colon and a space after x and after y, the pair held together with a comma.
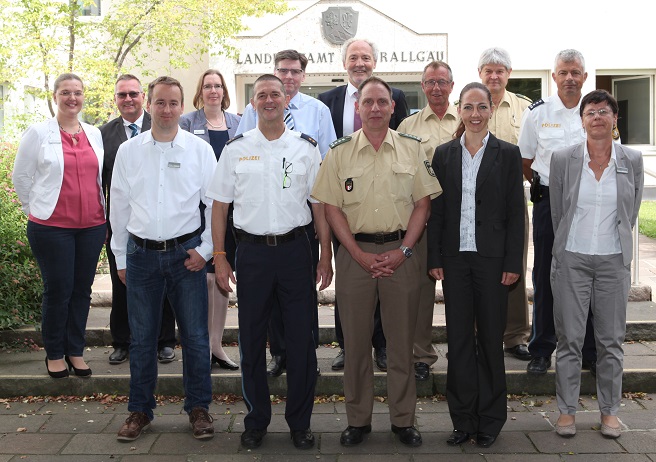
x: 595, y: 191
x: 212, y: 123
x: 475, y: 247
x: 57, y: 176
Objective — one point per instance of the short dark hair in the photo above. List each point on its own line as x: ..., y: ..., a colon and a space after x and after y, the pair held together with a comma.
x: 374, y: 79
x: 165, y: 80
x: 124, y: 77
x: 292, y: 55
x: 599, y: 96
x: 198, y: 97
x: 269, y: 78
x: 63, y: 78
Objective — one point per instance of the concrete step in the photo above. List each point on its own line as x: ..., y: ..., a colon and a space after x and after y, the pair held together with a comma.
x: 23, y: 373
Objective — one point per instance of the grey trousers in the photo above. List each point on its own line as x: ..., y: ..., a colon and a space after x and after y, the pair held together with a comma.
x: 579, y: 281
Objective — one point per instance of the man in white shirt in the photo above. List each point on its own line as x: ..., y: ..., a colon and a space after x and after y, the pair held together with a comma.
x: 159, y: 179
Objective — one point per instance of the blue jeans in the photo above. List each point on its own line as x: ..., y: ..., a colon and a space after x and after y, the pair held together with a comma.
x: 152, y: 275
x: 67, y: 258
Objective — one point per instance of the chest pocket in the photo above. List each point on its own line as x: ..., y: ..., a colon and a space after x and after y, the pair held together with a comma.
x: 352, y: 183
x: 404, y: 180
x: 251, y: 182
x: 295, y: 189
x: 551, y: 138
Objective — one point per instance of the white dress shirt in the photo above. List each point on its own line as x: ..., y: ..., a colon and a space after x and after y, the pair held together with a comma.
x: 470, y: 167
x: 349, y: 109
x: 594, y: 226
x: 138, y: 123
x: 156, y: 190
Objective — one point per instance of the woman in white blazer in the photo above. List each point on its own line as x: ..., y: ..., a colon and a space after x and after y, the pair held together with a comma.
x: 595, y: 191
x: 57, y: 176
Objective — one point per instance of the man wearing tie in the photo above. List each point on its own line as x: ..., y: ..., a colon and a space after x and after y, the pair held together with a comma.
x: 129, y: 98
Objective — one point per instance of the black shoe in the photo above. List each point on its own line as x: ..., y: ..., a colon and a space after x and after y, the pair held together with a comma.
x: 409, y: 436
x: 354, y: 435
x: 56, y: 374
x: 484, y: 440
x: 422, y: 371
x: 276, y: 366
x: 166, y: 355
x: 458, y: 437
x: 119, y: 355
x: 520, y: 352
x: 538, y: 365
x: 224, y: 363
x: 380, y: 356
x: 303, y: 439
x: 252, y: 438
x: 79, y: 372
x: 338, y: 362
x: 590, y: 365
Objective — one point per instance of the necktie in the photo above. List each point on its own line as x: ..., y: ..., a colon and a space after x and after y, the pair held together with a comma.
x: 289, y: 120
x: 135, y: 130
x: 357, y: 121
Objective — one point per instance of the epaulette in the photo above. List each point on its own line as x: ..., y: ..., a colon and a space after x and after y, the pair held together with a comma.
x: 308, y: 138
x: 536, y: 104
x: 526, y: 98
x: 413, y: 114
x: 241, y: 135
x: 342, y: 140
x: 408, y: 135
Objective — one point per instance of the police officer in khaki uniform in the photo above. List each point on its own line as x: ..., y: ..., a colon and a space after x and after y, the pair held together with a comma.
x: 435, y: 125
x: 494, y: 68
x: 376, y: 185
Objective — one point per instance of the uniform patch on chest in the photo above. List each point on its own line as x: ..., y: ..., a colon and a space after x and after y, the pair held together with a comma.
x: 348, y: 185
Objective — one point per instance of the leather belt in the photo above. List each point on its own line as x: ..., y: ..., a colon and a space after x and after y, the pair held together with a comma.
x: 163, y: 246
x: 380, y: 238
x: 270, y: 239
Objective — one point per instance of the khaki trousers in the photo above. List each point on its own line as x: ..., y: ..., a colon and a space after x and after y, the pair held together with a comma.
x: 423, y: 348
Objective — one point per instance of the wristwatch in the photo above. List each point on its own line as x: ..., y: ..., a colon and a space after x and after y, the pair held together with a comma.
x: 407, y: 251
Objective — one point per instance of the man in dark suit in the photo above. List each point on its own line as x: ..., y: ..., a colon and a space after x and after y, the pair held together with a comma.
x: 359, y: 58
x: 129, y: 98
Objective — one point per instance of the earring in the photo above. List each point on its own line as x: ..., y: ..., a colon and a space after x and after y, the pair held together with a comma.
x: 615, y: 132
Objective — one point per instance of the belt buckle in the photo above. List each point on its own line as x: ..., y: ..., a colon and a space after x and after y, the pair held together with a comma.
x: 271, y: 240
x: 379, y: 238
x: 161, y: 246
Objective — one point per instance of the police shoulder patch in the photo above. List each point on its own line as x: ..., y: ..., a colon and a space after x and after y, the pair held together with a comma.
x: 525, y: 98
x: 308, y: 138
x: 429, y: 169
x: 412, y: 137
x: 342, y: 140
x: 539, y: 102
x: 241, y: 135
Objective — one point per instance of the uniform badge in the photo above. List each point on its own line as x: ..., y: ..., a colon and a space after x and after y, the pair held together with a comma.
x: 348, y: 185
x: 429, y: 169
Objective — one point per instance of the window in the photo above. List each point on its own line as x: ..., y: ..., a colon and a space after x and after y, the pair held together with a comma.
x: 89, y: 7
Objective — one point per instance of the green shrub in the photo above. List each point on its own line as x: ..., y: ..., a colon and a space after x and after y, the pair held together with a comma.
x: 20, y: 279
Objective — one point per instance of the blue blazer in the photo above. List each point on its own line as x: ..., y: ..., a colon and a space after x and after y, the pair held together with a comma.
x: 564, y: 184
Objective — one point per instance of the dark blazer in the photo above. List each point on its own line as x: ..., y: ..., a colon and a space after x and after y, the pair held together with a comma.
x: 499, y: 216
x: 564, y: 184
x: 113, y: 135
x: 334, y: 99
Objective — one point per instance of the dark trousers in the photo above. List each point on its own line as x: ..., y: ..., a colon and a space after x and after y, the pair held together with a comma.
x: 543, y: 335
x: 67, y: 258
x: 475, y: 306
x: 276, y: 325
x: 118, y: 317
x: 283, y: 272
x: 378, y: 337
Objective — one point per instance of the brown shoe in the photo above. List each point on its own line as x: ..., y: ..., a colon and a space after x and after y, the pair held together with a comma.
x: 201, y: 423
x: 134, y: 425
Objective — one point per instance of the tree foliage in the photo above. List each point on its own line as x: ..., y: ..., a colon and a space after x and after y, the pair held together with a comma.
x: 39, y: 39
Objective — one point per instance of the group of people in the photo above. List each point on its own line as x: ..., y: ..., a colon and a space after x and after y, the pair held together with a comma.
x: 195, y: 202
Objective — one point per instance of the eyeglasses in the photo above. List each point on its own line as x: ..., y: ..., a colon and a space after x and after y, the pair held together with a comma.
x: 600, y: 113
x: 287, y: 168
x: 283, y: 71
x: 210, y: 87
x: 440, y: 83
x: 131, y: 94
x: 66, y: 93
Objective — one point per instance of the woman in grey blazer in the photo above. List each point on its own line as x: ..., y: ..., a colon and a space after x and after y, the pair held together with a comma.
x: 212, y: 123
x: 595, y: 192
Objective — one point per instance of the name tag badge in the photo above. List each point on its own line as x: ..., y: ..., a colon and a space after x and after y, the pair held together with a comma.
x: 622, y: 170
x: 174, y: 164
x: 199, y: 132
x: 54, y: 140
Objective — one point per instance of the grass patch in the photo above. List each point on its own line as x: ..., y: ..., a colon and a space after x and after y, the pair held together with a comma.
x: 647, y: 219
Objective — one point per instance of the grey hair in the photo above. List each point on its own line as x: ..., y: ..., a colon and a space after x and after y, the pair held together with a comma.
x: 495, y: 56
x: 568, y: 56
x: 374, y: 48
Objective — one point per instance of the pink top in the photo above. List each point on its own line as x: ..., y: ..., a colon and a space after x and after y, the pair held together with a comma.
x: 78, y: 205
